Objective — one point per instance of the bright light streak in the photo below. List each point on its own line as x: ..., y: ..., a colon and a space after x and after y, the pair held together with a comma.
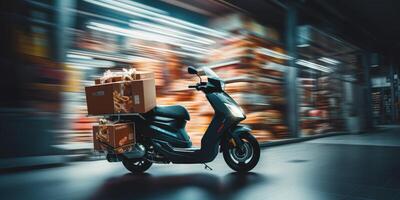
x: 170, y: 32
x: 99, y: 3
x: 171, y: 51
x: 144, y: 7
x: 92, y: 62
x: 79, y: 57
x: 314, y: 66
x: 118, y: 58
x: 144, y: 36
x: 329, y: 61
x: 222, y: 64
x: 274, y: 54
x: 127, y: 8
x: 78, y: 66
x: 191, y: 27
x: 303, y: 45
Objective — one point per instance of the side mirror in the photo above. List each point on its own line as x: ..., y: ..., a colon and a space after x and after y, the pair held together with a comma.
x: 192, y: 70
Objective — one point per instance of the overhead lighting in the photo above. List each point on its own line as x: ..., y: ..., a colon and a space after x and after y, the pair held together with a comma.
x: 144, y: 7
x: 215, y: 65
x: 303, y: 45
x: 314, y: 66
x: 78, y: 66
x: 75, y: 56
x: 130, y: 8
x: 329, y: 61
x: 190, y: 26
x: 274, y: 54
x: 117, y: 58
x: 170, y: 32
x: 113, y: 7
x: 171, y: 51
x: 144, y: 36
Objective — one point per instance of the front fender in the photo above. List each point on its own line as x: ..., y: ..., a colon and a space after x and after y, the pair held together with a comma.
x: 234, y: 134
x: 239, y: 129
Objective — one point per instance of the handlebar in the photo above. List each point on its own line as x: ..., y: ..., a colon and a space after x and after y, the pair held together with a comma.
x: 199, y: 86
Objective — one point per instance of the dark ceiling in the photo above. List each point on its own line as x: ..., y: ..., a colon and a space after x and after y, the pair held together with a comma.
x: 378, y: 19
x: 372, y: 24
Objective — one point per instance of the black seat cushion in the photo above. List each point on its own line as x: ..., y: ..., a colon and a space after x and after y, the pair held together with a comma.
x: 176, y: 112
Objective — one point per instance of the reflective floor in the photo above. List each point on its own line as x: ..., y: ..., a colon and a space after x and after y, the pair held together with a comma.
x: 363, y: 166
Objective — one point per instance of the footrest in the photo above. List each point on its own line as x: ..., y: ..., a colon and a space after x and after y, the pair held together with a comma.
x: 191, y: 149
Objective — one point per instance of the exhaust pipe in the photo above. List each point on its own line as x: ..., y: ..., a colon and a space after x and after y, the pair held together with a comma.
x: 137, y: 151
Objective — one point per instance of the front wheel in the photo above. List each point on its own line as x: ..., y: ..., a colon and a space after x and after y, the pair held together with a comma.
x: 136, y: 165
x: 242, y: 159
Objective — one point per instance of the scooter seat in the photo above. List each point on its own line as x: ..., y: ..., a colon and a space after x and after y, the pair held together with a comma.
x: 176, y: 112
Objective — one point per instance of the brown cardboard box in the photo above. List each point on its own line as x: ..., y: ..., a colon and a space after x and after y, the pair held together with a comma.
x: 138, y: 96
x: 140, y: 75
x: 143, y: 95
x: 114, y: 135
x: 104, y: 99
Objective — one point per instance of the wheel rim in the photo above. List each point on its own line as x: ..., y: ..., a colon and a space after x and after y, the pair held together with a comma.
x: 139, y: 163
x: 242, y: 156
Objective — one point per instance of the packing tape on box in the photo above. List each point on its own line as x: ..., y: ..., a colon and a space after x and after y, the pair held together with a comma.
x: 102, y: 134
x: 122, y: 102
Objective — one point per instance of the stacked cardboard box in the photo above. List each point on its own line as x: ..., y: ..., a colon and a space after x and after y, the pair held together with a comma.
x: 115, y: 95
x: 114, y: 137
x: 127, y: 91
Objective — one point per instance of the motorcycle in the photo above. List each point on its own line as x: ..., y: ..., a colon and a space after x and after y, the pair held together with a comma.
x: 161, y: 136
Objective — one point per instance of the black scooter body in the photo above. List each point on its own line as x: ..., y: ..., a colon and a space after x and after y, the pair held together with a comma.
x: 161, y: 136
x: 169, y: 129
x: 174, y: 143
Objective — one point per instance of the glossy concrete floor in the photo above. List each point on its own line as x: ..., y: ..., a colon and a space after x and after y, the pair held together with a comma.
x: 364, y: 166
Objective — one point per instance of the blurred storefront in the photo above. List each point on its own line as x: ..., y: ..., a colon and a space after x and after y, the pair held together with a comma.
x: 327, y: 83
x: 384, y: 93
x: 31, y: 82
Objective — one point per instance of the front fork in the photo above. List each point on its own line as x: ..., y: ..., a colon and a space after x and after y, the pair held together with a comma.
x: 232, y: 138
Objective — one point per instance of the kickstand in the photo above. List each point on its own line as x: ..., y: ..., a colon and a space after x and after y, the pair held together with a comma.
x: 207, y: 167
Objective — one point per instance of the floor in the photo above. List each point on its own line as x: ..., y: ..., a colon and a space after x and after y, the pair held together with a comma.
x: 363, y: 166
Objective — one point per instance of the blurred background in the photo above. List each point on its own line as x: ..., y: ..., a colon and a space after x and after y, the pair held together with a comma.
x: 295, y: 71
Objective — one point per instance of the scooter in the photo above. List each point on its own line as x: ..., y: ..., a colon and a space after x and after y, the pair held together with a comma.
x: 162, y: 138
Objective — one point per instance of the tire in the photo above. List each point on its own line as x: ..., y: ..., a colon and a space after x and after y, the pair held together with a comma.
x: 136, y: 165
x: 246, y: 159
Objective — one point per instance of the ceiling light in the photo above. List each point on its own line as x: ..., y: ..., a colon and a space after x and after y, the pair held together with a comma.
x: 170, y: 32
x: 314, y: 66
x: 329, y: 60
x: 303, y: 45
x: 129, y: 8
x: 274, y: 54
x: 79, y: 57
x: 145, y: 36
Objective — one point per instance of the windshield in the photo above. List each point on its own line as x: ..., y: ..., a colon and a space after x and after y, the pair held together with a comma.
x: 210, y: 73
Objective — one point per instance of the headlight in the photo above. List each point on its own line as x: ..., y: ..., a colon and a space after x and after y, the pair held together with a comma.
x: 235, y: 110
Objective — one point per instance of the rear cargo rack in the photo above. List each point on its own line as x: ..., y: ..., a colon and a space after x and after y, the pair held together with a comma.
x: 118, y: 115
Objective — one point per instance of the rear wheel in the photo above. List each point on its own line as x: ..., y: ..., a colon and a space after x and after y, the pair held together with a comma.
x: 136, y: 165
x: 242, y: 159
